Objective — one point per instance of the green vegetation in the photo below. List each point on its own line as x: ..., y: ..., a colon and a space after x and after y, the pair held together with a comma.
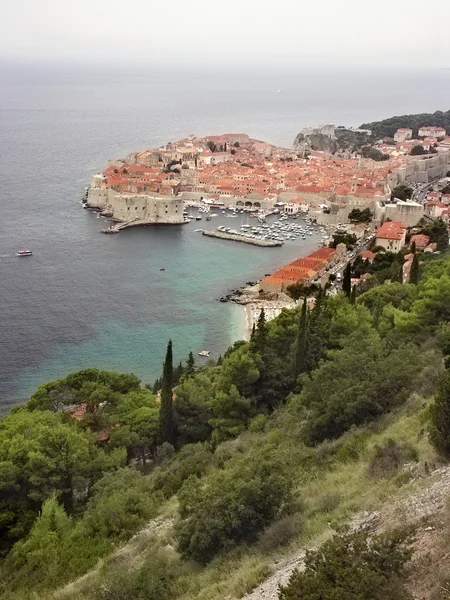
x: 354, y: 566
x: 360, y: 216
x: 402, y: 192
x: 349, y: 140
x: 311, y: 420
x: 418, y: 150
x: 374, y: 154
x: 166, y: 419
x: 388, y: 127
x: 349, y: 239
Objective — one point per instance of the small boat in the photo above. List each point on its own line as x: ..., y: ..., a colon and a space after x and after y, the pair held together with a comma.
x: 162, y: 269
x: 197, y: 230
x: 24, y: 253
x: 204, y: 353
x: 199, y: 218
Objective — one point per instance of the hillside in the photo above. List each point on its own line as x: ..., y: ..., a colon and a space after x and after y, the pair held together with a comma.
x: 388, y: 127
x: 334, y: 416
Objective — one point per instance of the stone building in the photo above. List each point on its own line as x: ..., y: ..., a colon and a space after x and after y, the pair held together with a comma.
x: 129, y: 206
x: 403, y: 134
x: 408, y: 212
x: 391, y: 236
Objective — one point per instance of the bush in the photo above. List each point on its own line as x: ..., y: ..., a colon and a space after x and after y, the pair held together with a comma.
x: 389, y: 457
x: 192, y: 459
x: 440, y: 416
x: 353, y: 567
x: 121, y: 504
x: 230, y: 506
x: 326, y: 503
x: 281, y: 532
x: 154, y: 579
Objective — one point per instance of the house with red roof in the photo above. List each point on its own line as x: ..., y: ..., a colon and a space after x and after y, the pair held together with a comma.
x: 420, y: 240
x: 367, y: 255
x: 391, y: 236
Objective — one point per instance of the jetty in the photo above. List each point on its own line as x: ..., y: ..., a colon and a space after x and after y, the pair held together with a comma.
x: 236, y: 237
x: 120, y: 226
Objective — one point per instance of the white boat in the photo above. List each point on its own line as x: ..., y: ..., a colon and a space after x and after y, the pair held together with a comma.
x: 196, y: 230
x: 24, y: 253
x: 204, y: 353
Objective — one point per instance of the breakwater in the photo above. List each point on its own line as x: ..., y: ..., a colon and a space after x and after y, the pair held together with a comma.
x: 222, y: 235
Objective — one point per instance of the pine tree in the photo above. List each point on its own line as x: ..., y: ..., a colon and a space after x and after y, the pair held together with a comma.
x: 166, y: 418
x: 353, y: 295
x: 414, y: 273
x: 347, y: 281
x: 300, y: 345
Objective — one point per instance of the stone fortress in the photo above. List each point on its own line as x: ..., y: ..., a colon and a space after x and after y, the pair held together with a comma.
x: 141, y: 208
x: 233, y: 170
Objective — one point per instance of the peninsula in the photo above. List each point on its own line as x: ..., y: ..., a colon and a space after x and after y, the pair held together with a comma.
x: 234, y: 171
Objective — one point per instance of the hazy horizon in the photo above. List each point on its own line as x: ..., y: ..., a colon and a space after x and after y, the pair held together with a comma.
x: 240, y: 33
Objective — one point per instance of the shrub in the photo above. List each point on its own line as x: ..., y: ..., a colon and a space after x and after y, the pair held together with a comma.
x: 154, y: 579
x: 230, y: 506
x: 192, y: 459
x: 440, y: 416
x: 281, y: 532
x: 121, y: 504
x: 326, y: 503
x: 353, y: 566
x: 389, y: 457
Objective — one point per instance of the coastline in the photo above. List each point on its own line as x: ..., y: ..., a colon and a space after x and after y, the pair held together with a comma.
x: 252, y: 303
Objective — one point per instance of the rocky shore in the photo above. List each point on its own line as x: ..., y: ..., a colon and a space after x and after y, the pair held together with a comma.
x: 254, y: 301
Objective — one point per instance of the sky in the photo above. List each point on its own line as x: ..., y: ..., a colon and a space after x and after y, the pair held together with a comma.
x: 381, y: 33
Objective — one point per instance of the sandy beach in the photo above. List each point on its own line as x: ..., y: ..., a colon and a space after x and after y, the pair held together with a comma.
x: 272, y: 309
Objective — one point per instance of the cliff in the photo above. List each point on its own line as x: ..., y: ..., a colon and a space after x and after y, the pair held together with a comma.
x: 344, y: 140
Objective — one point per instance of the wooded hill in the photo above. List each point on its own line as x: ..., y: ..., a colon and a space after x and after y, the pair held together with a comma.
x: 388, y: 127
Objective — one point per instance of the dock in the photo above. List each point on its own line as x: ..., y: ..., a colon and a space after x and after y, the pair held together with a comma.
x: 235, y: 237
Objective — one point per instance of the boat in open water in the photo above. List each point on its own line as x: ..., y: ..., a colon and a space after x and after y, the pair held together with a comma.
x: 24, y: 253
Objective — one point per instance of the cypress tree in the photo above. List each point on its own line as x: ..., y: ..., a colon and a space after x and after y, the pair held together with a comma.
x: 414, y: 273
x: 320, y: 296
x: 300, y: 346
x: 353, y: 295
x: 166, y: 418
x: 347, y: 282
x: 261, y: 331
x: 190, y: 366
x: 413, y: 248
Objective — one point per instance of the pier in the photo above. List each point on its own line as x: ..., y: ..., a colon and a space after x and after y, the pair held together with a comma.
x: 222, y: 235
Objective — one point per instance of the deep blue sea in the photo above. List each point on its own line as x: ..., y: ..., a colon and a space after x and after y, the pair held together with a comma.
x: 86, y: 299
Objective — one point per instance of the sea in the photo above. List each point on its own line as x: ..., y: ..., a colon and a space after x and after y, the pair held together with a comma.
x: 85, y: 299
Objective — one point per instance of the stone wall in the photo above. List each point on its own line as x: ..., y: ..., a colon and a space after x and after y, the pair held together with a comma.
x: 151, y: 209
x: 421, y: 170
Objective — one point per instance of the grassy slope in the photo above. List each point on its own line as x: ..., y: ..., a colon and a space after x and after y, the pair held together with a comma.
x: 329, y: 497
